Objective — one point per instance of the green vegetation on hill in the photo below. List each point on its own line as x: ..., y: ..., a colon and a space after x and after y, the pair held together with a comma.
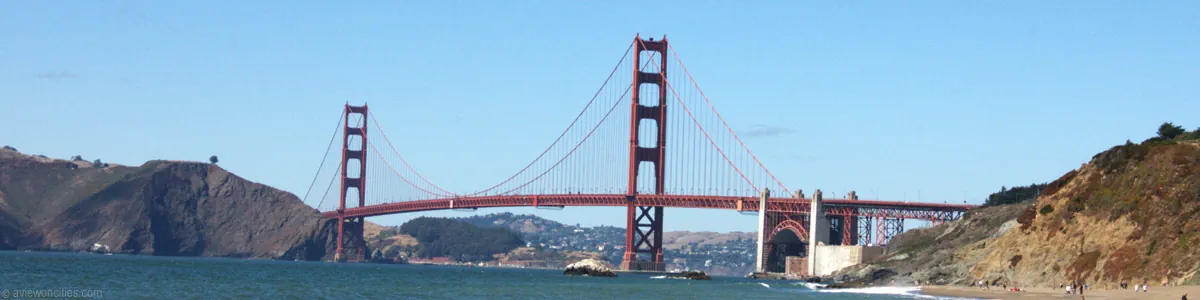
x: 1168, y: 133
x: 459, y: 240
x: 1015, y: 195
x: 530, y: 227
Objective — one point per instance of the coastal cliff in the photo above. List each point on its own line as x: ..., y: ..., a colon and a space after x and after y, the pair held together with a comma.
x: 1131, y: 214
x: 160, y: 208
x: 934, y: 254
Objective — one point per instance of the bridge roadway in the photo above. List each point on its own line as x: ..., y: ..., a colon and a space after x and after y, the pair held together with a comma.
x: 833, y: 207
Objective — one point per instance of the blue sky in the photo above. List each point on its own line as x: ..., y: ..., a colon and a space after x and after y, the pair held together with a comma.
x: 948, y: 100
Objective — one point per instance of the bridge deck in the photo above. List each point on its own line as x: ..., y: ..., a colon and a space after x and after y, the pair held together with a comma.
x: 891, y: 209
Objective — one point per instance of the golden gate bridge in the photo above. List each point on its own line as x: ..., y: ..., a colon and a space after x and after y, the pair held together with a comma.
x: 619, y: 151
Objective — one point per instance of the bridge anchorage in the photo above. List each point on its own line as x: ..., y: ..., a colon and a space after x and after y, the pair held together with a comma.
x: 700, y: 162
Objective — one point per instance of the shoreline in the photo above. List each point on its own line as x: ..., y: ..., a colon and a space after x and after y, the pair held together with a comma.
x: 1155, y: 292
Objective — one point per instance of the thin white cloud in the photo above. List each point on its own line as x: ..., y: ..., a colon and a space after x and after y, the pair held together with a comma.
x: 58, y: 75
x: 763, y: 131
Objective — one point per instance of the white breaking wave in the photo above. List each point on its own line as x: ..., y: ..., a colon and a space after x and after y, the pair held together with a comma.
x: 764, y: 284
x: 812, y: 285
x: 666, y: 277
x: 888, y: 290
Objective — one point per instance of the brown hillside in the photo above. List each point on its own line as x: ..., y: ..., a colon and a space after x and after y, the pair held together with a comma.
x: 678, y: 239
x: 1130, y: 215
x: 189, y: 209
x: 35, y: 188
x: 159, y: 208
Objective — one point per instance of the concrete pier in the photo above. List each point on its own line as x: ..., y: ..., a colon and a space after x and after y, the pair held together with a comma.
x: 818, y: 229
x: 762, y: 228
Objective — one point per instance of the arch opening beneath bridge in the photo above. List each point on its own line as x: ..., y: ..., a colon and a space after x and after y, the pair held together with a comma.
x: 788, y: 238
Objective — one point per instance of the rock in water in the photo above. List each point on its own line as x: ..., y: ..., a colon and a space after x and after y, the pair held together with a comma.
x: 590, y: 267
x: 693, y: 275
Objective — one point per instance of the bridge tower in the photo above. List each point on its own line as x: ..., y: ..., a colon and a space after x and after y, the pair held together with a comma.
x: 354, y: 152
x: 850, y: 222
x: 643, y: 224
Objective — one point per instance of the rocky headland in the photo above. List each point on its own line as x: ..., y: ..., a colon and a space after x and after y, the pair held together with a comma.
x: 159, y: 208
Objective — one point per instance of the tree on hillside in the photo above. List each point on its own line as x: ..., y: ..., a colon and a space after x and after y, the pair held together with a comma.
x: 77, y: 158
x: 10, y: 148
x: 1170, y: 131
x: 98, y: 163
x: 1015, y: 194
x: 212, y: 159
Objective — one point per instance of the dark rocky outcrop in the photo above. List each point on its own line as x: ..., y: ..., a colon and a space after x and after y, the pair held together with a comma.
x: 160, y: 208
x: 10, y: 231
x: 590, y: 267
x: 693, y: 275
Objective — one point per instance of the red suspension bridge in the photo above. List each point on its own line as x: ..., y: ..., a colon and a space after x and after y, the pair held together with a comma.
x: 618, y: 151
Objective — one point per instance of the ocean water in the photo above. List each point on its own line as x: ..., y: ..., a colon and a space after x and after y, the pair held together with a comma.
x: 37, y: 274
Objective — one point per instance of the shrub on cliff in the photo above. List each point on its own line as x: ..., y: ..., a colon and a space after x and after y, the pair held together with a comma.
x: 1046, y: 209
x: 1188, y: 136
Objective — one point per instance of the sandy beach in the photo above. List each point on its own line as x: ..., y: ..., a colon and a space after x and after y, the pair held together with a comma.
x: 1155, y: 292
